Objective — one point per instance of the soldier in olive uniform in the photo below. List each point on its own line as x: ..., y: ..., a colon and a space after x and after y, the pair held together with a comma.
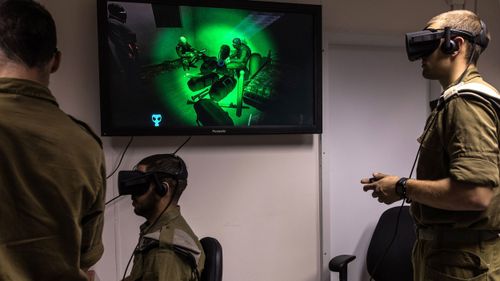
x: 455, y: 197
x: 168, y: 248
x: 52, y: 171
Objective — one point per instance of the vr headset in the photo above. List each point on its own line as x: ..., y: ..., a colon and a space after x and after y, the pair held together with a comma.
x: 422, y: 43
x: 135, y: 182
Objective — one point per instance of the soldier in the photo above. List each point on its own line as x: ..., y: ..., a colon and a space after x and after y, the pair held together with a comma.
x: 168, y: 248
x: 455, y: 196
x: 52, y: 176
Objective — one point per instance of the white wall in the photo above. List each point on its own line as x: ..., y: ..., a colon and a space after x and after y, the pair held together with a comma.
x: 259, y: 195
x: 376, y: 111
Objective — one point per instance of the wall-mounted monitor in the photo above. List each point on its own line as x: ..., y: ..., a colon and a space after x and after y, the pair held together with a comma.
x: 196, y: 67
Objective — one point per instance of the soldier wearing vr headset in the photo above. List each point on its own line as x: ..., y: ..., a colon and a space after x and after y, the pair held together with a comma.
x: 455, y: 197
x: 168, y: 248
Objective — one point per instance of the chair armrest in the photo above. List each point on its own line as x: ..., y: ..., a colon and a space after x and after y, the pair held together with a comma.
x: 338, y: 263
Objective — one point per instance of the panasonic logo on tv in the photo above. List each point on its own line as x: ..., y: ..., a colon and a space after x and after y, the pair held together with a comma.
x: 219, y: 131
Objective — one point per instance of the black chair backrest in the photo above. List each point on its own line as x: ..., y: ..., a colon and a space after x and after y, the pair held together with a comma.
x: 213, y: 259
x: 396, y: 265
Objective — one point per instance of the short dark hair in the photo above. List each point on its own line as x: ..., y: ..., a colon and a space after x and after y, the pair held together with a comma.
x: 463, y: 20
x: 27, y: 32
x: 169, y: 167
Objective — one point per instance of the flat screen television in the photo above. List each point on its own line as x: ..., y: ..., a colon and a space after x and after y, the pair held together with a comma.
x: 200, y: 67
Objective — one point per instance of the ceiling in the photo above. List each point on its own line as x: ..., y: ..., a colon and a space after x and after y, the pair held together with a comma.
x: 393, y: 17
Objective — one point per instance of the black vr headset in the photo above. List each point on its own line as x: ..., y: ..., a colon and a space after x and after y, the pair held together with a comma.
x: 137, y: 183
x: 422, y: 43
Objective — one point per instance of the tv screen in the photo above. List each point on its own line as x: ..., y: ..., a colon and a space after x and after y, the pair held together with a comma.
x: 195, y: 67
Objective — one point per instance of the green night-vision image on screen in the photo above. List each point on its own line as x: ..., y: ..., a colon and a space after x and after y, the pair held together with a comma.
x: 183, y: 67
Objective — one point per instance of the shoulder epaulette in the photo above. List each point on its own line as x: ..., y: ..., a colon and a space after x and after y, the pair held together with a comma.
x: 87, y: 128
x: 477, y: 90
x: 182, y: 244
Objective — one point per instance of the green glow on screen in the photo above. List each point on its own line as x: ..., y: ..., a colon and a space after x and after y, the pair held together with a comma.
x: 205, y: 28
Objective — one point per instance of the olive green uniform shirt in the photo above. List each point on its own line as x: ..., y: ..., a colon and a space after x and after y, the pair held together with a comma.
x: 169, y: 251
x: 461, y: 144
x: 52, y: 186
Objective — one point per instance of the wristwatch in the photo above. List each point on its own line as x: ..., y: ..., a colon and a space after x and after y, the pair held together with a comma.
x: 401, y: 188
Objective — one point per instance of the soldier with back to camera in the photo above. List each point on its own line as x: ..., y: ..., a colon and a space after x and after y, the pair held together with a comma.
x: 455, y: 199
x: 52, y: 172
x: 168, y: 249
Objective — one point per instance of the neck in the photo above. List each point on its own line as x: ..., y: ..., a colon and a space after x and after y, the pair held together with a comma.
x: 453, y: 77
x: 12, y: 69
x: 159, y: 210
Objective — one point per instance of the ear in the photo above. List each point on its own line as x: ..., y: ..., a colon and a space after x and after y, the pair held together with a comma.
x: 56, y: 62
x: 460, y: 45
x: 166, y: 186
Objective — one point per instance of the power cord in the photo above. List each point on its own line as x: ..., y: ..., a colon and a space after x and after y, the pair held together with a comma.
x: 121, y: 158
x: 114, y: 198
x: 119, y: 163
x: 182, y: 145
x: 381, y: 259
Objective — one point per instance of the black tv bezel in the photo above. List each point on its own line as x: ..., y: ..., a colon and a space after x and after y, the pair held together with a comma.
x: 316, y: 128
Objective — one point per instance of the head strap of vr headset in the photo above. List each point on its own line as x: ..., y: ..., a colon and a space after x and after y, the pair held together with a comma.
x: 480, y: 39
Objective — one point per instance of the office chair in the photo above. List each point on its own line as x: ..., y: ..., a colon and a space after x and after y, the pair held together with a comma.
x: 396, y: 264
x: 213, y: 259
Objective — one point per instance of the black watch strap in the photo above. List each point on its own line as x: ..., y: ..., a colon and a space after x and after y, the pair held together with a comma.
x: 401, y: 188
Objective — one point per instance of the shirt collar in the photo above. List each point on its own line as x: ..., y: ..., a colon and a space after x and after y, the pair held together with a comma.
x: 471, y: 73
x: 26, y: 88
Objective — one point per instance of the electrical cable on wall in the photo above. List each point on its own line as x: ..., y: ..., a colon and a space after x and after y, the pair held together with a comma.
x: 182, y: 145
x: 117, y: 166
x: 121, y: 157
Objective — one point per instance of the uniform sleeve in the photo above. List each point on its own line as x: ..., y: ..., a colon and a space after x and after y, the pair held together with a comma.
x: 172, y: 266
x: 92, y: 224
x: 178, y: 255
x: 471, y: 141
